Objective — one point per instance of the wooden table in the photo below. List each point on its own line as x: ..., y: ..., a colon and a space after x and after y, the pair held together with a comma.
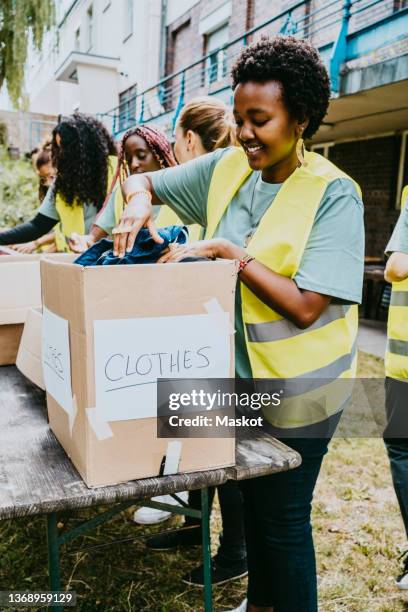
x: 37, y: 477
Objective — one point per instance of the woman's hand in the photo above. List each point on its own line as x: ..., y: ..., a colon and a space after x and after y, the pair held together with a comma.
x: 137, y: 214
x: 26, y: 248
x: 79, y: 243
x: 211, y: 249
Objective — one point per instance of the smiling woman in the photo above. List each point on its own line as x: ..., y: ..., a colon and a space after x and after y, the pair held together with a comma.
x: 284, y: 213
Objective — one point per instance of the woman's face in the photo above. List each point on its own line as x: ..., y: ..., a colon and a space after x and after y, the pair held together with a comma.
x: 265, y: 129
x: 46, y: 173
x: 139, y: 157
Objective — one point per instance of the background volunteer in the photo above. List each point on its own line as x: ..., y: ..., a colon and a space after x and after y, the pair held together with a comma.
x: 396, y: 369
x: 84, y: 157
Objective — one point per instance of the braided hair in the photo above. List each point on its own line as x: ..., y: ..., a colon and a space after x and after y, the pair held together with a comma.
x: 155, y: 140
x: 158, y: 145
x: 82, y: 161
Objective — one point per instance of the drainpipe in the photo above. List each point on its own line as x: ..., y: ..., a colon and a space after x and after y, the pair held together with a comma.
x: 163, y: 38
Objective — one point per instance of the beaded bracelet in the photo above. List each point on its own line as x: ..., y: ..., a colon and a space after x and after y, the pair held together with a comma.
x: 139, y: 192
x: 244, y: 262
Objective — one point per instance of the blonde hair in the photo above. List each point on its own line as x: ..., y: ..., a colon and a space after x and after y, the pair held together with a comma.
x: 211, y: 119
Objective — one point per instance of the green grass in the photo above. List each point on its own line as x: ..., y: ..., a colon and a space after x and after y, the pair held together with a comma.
x: 357, y: 530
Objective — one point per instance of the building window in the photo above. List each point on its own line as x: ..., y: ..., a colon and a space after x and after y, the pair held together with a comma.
x: 323, y: 148
x: 127, y: 108
x: 128, y: 19
x: 77, y: 40
x: 216, y: 68
x: 89, y: 24
x: 400, y: 4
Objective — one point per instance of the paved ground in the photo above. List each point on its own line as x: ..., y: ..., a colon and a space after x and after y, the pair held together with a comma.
x: 372, y: 337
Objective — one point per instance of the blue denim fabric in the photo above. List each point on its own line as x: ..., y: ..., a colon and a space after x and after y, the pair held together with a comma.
x: 145, y: 249
x: 396, y: 440
x: 280, y: 551
x: 278, y: 531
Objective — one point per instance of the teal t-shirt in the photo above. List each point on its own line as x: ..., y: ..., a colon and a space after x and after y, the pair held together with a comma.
x: 48, y: 209
x: 399, y: 239
x: 333, y: 260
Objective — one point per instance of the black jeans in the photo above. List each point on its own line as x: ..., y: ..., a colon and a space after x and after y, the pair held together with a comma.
x: 396, y: 440
x: 232, y: 538
x: 280, y: 550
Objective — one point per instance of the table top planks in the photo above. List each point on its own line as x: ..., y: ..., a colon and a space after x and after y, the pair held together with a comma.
x: 37, y: 477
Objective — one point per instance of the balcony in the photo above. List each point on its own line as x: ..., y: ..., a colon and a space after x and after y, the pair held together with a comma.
x: 350, y: 34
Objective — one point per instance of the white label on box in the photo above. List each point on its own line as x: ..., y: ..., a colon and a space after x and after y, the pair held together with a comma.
x: 56, y: 359
x: 131, y: 354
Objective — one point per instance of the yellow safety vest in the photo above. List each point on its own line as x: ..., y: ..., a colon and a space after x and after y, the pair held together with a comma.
x: 396, y: 356
x: 276, y: 347
x: 72, y: 217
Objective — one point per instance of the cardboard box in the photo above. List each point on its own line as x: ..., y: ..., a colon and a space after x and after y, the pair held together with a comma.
x: 97, y: 323
x: 29, y: 360
x: 20, y: 290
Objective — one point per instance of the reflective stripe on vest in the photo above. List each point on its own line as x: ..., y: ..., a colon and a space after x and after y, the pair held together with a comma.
x: 72, y: 216
x: 276, y: 347
x: 167, y: 216
x: 396, y: 356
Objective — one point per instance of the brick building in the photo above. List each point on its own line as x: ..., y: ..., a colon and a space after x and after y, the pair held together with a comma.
x: 365, y: 131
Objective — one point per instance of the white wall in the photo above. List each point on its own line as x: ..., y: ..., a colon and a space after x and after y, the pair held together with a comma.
x: 138, y: 53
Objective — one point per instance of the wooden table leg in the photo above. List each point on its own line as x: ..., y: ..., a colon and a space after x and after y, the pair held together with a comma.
x: 205, y: 526
x: 53, y: 556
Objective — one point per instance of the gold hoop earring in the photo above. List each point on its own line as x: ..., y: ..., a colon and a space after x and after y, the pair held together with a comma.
x: 300, y: 151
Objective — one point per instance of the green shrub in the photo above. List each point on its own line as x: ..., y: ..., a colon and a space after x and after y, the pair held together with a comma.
x: 18, y: 190
x: 3, y: 133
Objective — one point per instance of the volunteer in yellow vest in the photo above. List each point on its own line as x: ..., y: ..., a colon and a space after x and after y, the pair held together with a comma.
x: 42, y: 164
x: 84, y: 157
x: 294, y: 221
x: 396, y: 369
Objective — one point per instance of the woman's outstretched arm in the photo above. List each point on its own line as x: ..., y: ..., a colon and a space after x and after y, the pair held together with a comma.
x: 31, y: 230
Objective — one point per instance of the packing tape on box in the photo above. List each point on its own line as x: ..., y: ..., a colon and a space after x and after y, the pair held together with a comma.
x: 173, y: 455
x: 100, y: 428
x: 213, y: 307
x: 72, y: 415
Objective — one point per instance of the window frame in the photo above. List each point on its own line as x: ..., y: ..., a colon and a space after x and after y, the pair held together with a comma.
x: 77, y: 39
x: 128, y: 19
x: 127, y: 107
x: 325, y: 146
x: 90, y: 26
x: 219, y: 67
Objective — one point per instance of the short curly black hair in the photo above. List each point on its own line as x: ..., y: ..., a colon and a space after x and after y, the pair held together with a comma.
x: 297, y: 66
x: 81, y: 161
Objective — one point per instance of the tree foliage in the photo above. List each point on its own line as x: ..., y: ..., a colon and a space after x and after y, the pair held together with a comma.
x: 18, y: 190
x: 20, y: 22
